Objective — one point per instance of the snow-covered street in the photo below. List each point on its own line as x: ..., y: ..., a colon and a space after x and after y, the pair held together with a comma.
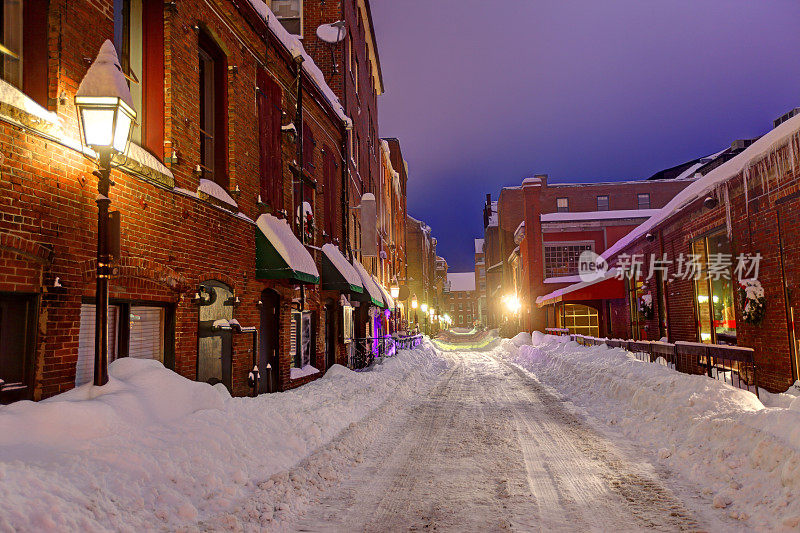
x: 529, y: 434
x: 489, y: 448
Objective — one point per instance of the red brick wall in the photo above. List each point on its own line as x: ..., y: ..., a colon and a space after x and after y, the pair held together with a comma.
x: 171, y: 241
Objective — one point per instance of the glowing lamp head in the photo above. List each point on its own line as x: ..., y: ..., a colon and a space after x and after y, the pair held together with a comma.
x: 394, y: 291
x: 104, y: 103
x: 414, y: 303
x: 424, y: 308
x: 512, y: 303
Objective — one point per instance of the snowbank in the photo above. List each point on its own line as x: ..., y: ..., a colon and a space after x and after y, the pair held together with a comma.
x: 153, y: 450
x: 716, y: 435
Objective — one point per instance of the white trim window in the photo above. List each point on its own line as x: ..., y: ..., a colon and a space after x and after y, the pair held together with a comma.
x: 290, y: 15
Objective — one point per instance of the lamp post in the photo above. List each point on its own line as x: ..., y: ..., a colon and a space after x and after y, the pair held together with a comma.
x: 414, y: 305
x: 106, y: 116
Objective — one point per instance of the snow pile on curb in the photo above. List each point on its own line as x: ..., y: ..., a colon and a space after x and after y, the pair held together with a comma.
x: 153, y: 450
x: 718, y: 436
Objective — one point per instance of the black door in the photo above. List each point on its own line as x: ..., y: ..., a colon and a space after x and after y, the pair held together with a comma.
x: 330, y: 335
x: 17, y: 340
x: 268, y: 341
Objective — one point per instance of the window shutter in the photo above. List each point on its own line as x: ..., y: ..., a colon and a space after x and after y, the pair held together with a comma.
x: 152, y: 116
x: 308, y: 148
x: 35, y: 53
x: 269, y: 132
x: 329, y: 179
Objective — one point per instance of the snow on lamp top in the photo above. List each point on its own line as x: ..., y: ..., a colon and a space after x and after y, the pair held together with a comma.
x: 104, y: 102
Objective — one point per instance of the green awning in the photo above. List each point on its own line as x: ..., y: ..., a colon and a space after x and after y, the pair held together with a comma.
x: 373, y: 293
x: 337, y: 273
x: 281, y: 255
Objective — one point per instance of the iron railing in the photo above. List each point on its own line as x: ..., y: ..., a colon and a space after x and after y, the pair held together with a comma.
x: 734, y: 365
x: 368, y: 349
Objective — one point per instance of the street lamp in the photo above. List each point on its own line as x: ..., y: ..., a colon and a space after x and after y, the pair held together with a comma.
x: 394, y: 291
x: 424, y: 308
x: 106, y: 116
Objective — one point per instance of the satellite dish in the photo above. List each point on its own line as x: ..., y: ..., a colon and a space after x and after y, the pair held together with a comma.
x: 332, y: 33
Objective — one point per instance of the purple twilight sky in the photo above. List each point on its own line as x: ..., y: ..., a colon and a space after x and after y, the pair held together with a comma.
x: 482, y: 94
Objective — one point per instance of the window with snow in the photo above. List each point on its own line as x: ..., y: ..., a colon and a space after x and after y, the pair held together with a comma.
x: 23, y: 56
x: 139, y: 40
x: 561, y: 259
x: 213, y: 114
x: 643, y: 200
x: 290, y: 15
x: 602, y: 203
x: 562, y: 205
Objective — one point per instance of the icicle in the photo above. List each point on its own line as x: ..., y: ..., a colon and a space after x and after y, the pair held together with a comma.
x: 728, y: 225
x: 746, y: 193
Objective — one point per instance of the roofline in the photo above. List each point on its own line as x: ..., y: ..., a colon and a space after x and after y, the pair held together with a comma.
x: 373, y: 47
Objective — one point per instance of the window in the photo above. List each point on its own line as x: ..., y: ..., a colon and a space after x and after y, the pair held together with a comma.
x: 561, y: 259
x: 290, y: 15
x: 268, y: 101
x: 562, y: 205
x: 139, y: 40
x: 581, y: 320
x: 643, y: 200
x: 635, y: 290
x: 714, y: 298
x: 302, y: 339
x: 602, y: 203
x: 140, y: 331
x: 355, y: 70
x: 213, y: 115
x: 23, y: 32
x: 17, y: 338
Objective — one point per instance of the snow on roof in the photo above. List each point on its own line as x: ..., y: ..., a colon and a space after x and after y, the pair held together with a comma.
x: 771, y: 141
x: 478, y: 246
x: 689, y: 172
x: 387, y: 298
x: 287, y: 245
x: 599, y: 215
x: 295, y: 47
x: 342, y: 264
x: 563, y: 279
x: 214, y: 190
x: 461, y: 281
x: 367, y: 281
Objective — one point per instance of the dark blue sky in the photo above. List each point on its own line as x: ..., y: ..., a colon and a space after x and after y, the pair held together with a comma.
x: 482, y: 94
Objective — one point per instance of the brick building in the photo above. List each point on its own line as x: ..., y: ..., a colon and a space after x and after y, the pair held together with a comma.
x: 461, y: 299
x: 540, y: 229
x: 742, y: 209
x: 480, y: 281
x: 231, y: 186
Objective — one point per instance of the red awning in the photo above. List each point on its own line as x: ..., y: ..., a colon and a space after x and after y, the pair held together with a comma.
x: 608, y: 288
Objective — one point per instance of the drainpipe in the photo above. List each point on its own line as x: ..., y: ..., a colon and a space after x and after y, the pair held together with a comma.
x: 298, y: 120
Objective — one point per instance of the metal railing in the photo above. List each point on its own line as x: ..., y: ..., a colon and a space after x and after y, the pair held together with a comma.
x: 734, y: 365
x: 368, y: 349
x: 556, y: 331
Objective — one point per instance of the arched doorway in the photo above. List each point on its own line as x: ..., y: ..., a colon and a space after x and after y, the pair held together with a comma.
x: 214, y: 343
x: 330, y: 334
x: 269, y: 341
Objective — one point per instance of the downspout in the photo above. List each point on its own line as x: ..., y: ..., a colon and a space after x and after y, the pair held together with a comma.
x: 299, y: 156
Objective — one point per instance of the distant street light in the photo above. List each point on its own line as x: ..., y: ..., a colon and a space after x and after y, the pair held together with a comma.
x: 106, y: 116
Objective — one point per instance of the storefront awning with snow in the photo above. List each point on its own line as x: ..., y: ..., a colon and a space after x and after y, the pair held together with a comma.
x: 388, y: 301
x: 372, y: 293
x: 337, y: 272
x: 281, y: 255
x: 606, y: 287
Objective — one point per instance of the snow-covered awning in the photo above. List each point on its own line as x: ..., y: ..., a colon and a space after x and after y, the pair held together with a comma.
x: 337, y: 272
x: 373, y: 293
x: 281, y: 255
x: 606, y: 287
x: 388, y: 301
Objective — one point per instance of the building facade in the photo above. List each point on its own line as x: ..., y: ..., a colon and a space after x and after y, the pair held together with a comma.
x: 231, y: 198
x: 461, y: 300
x: 716, y: 264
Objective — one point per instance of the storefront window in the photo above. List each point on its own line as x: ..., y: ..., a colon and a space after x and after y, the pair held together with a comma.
x: 714, y: 297
x: 581, y: 319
